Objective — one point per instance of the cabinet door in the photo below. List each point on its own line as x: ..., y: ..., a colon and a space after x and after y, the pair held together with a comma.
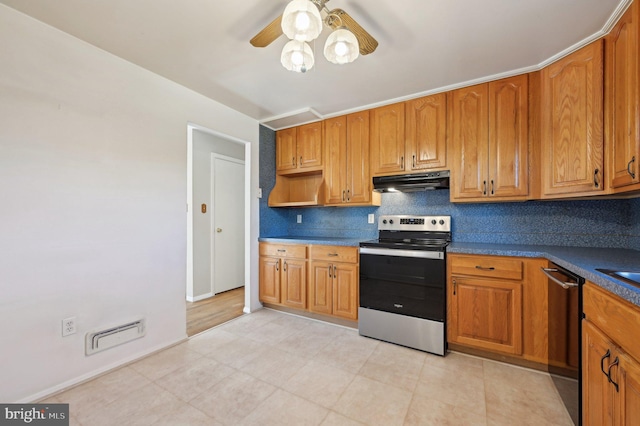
x: 628, y: 379
x: 508, y: 137
x: 622, y: 131
x: 294, y: 283
x: 335, y: 136
x: 358, y: 181
x: 269, y: 279
x: 572, y: 129
x: 426, y: 132
x: 345, y: 290
x: 487, y: 314
x: 469, y: 138
x: 597, y: 396
x: 321, y: 288
x: 309, y: 145
x: 286, y: 149
x: 387, y: 139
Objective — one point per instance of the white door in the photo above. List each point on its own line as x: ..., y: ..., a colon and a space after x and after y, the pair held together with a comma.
x: 227, y: 269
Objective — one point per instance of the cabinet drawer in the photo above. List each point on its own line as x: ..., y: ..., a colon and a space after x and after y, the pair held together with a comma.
x: 486, y: 266
x: 618, y: 318
x: 297, y: 251
x: 334, y: 253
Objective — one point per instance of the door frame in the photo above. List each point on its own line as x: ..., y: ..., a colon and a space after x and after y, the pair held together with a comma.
x: 251, y: 217
x: 215, y: 156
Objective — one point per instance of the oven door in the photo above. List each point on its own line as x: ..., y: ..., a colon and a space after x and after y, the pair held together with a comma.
x: 405, y: 282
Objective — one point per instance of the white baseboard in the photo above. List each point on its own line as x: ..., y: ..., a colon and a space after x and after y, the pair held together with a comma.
x: 201, y: 297
x: 47, y: 393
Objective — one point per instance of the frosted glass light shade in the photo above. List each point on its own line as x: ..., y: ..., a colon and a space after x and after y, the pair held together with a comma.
x: 301, y: 20
x: 297, y: 56
x: 341, y: 47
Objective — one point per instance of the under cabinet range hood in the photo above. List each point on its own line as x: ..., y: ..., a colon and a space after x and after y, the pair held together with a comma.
x: 412, y: 182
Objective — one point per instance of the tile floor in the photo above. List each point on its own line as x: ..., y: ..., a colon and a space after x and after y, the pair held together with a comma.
x: 270, y: 368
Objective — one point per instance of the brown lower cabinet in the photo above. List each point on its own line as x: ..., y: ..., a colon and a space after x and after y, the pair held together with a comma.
x: 498, y: 305
x: 283, y: 275
x: 610, y: 354
x: 329, y: 286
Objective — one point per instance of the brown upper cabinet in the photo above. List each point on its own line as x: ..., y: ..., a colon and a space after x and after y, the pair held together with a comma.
x: 426, y: 133
x: 572, y: 124
x: 299, y: 149
x: 622, y: 130
x: 409, y: 137
x: 387, y: 140
x: 489, y: 137
x: 347, y: 176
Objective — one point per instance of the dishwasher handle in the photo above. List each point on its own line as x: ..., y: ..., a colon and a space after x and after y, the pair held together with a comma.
x: 563, y: 284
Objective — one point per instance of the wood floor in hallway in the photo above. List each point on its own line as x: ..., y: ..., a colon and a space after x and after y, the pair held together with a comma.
x: 207, y: 313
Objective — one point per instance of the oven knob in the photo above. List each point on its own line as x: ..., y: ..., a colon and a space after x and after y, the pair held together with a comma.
x: 384, y: 221
x: 441, y: 222
x: 391, y: 221
x: 433, y: 222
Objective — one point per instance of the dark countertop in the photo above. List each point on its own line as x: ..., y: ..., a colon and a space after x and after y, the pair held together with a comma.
x: 328, y: 241
x: 582, y: 261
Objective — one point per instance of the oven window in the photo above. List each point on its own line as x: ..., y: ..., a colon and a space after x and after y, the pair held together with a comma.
x: 403, y: 285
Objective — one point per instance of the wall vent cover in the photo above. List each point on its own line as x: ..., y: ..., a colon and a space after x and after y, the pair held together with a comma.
x: 97, y: 341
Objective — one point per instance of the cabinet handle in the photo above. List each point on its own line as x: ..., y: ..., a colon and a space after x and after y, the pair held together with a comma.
x: 332, y: 254
x: 348, y: 195
x: 335, y: 275
x: 483, y: 268
x: 344, y: 196
x: 454, y: 286
x: 605, y: 356
x: 484, y: 187
x: 615, y: 362
x: 402, y: 162
x: 596, y: 183
x: 285, y: 266
x: 491, y: 186
x: 278, y: 266
x: 633, y: 174
x: 293, y: 161
x: 282, y: 250
x: 300, y: 163
x: 413, y: 166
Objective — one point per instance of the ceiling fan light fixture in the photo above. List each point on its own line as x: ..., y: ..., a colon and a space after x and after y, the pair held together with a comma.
x: 297, y: 56
x: 341, y: 47
x: 301, y: 20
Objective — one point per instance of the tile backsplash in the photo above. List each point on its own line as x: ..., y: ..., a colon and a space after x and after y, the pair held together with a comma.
x: 584, y: 223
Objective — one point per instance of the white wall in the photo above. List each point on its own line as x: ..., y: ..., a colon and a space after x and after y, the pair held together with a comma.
x: 92, y: 203
x: 203, y: 145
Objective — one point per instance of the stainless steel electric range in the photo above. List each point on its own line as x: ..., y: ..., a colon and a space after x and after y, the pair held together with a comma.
x: 403, y: 282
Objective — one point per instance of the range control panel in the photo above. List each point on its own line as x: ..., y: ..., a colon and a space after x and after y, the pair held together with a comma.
x: 414, y: 223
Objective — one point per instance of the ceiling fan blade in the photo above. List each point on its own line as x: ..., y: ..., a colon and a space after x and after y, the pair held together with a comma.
x: 367, y: 43
x: 268, y: 33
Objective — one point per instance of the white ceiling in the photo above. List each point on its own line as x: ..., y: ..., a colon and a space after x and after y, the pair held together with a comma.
x: 424, y: 46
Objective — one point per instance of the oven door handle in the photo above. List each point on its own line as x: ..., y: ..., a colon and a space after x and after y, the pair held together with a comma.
x: 563, y: 284
x: 420, y: 254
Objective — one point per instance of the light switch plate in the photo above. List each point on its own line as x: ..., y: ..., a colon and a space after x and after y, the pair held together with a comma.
x: 259, y: 192
x: 371, y: 218
x: 299, y: 219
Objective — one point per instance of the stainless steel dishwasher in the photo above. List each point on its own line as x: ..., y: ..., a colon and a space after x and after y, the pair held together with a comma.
x: 565, y: 317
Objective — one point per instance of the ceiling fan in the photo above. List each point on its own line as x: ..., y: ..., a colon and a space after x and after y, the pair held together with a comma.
x: 302, y: 21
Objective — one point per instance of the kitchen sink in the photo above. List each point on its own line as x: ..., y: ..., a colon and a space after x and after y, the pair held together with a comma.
x: 631, y: 277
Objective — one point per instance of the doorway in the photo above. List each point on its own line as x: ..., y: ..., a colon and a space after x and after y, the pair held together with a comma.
x: 207, y: 152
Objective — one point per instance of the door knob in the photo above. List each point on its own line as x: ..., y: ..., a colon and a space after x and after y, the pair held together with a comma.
x: 218, y: 229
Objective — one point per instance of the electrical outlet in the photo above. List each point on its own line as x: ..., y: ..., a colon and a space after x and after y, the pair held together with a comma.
x: 371, y: 218
x: 259, y: 192
x: 68, y: 326
x: 299, y: 219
